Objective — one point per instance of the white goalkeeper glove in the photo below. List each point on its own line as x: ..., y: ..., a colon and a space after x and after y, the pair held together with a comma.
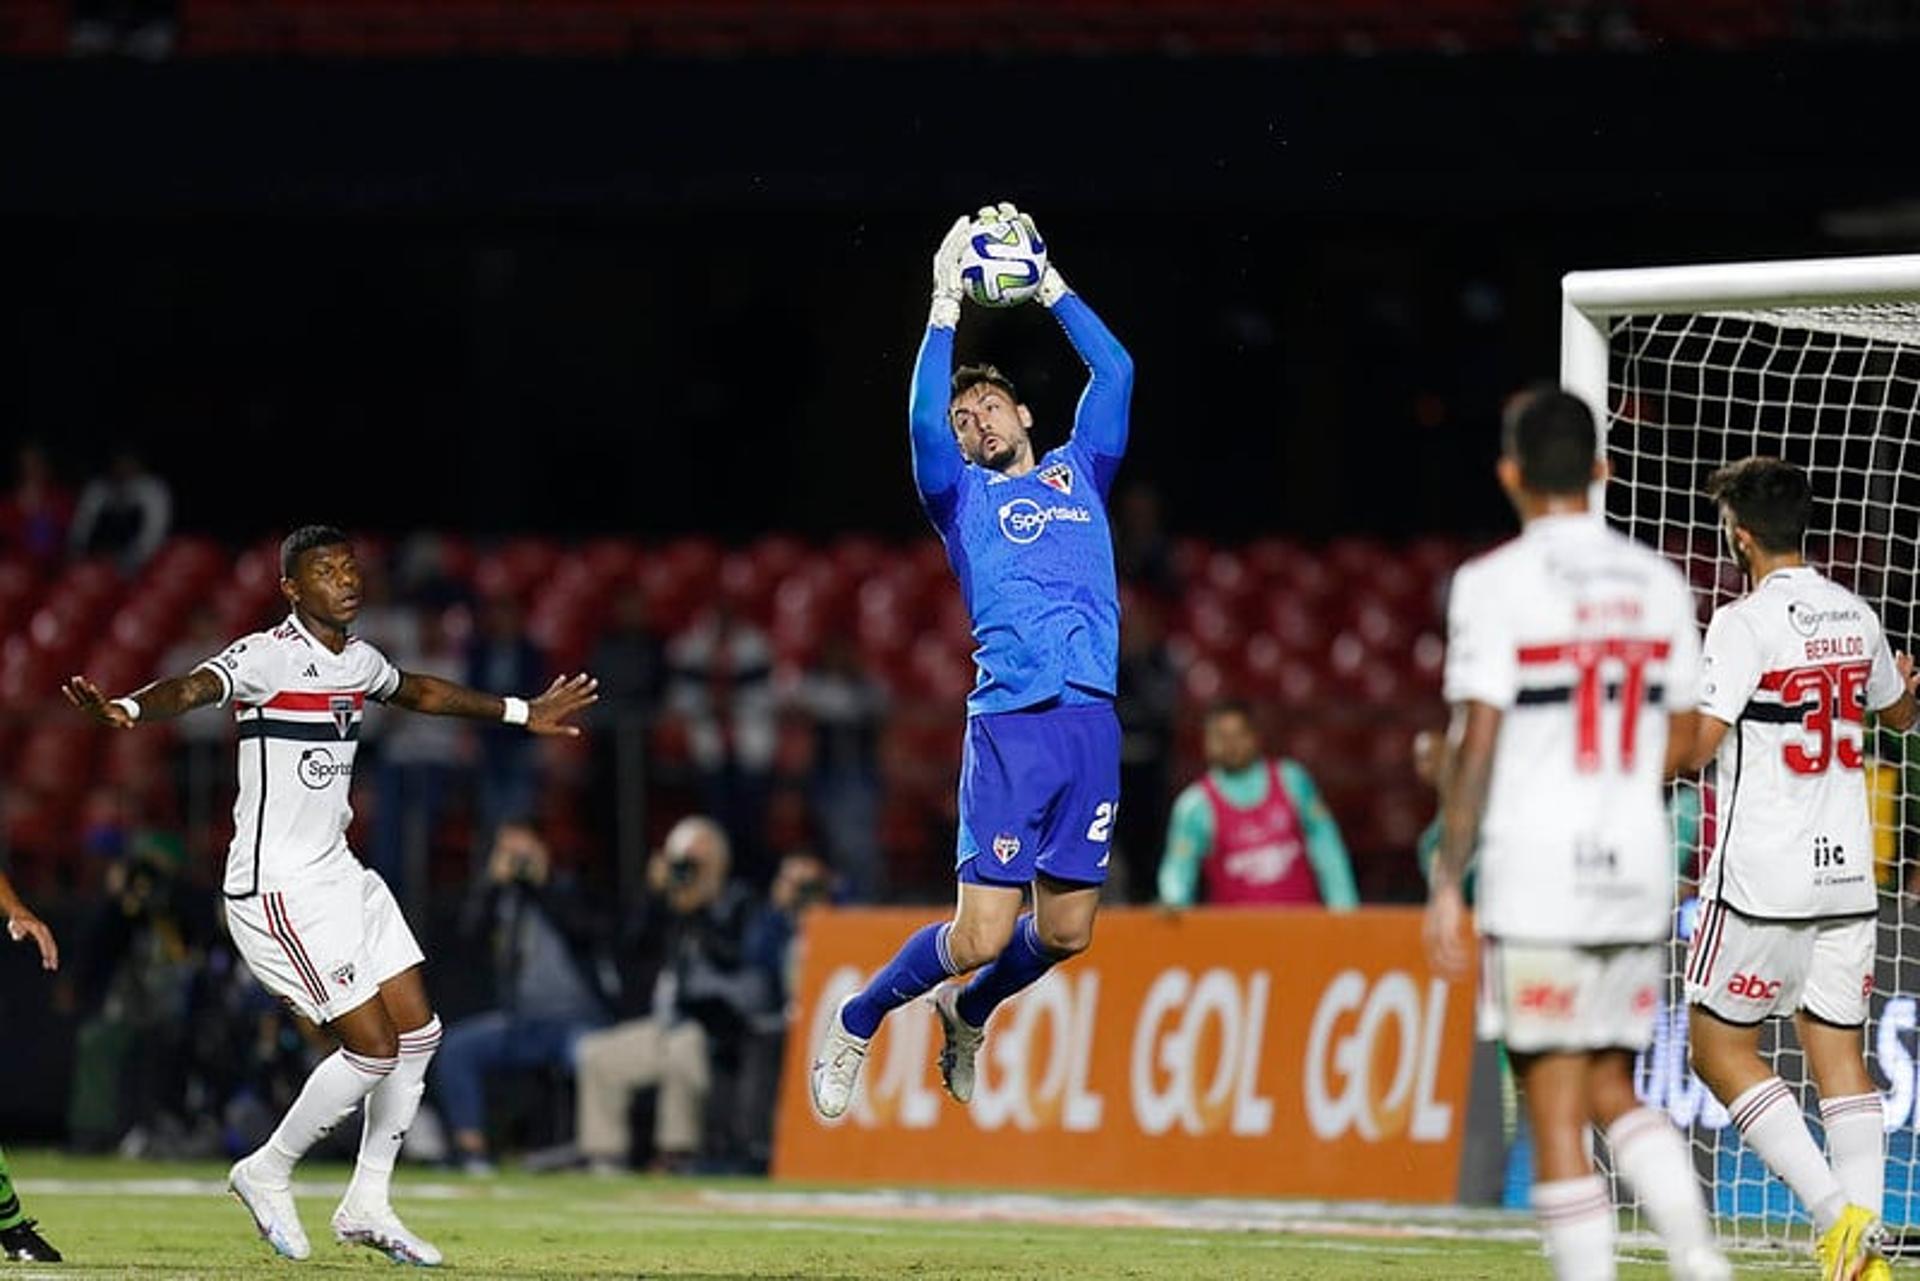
x: 1053, y: 285
x: 947, y: 289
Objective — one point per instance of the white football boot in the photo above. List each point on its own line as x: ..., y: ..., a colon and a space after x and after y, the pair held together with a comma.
x: 272, y: 1210
x: 836, y: 1068
x: 380, y: 1229
x: 962, y: 1043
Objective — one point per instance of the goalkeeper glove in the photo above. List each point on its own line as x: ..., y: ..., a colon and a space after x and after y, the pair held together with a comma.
x: 1053, y: 285
x: 947, y: 288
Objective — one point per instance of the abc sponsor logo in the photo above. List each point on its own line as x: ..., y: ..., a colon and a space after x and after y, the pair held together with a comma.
x: 318, y: 769
x: 1373, y: 1054
x: 1753, y: 987
x: 1022, y: 520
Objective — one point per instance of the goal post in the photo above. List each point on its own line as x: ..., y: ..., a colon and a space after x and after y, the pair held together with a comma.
x: 1816, y: 361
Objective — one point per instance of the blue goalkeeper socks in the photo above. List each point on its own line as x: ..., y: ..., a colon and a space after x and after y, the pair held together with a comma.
x: 1019, y: 966
x: 917, y: 968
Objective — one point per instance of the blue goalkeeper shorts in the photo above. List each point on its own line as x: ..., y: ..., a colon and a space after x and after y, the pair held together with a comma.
x: 1039, y: 791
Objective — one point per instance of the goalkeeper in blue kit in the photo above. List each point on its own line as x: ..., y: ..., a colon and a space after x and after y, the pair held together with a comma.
x: 1040, y: 770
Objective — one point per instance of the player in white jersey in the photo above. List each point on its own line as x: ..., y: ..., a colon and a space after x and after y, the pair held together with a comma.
x: 1790, y: 671
x: 316, y: 928
x: 1572, y: 662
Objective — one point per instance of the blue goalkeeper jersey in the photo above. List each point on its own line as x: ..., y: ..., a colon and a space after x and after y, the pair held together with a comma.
x: 1033, y: 554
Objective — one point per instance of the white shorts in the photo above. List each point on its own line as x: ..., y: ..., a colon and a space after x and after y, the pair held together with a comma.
x: 1745, y: 971
x: 1542, y: 999
x: 326, y: 947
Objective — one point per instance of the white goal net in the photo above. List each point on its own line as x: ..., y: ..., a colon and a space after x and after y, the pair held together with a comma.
x: 1817, y: 363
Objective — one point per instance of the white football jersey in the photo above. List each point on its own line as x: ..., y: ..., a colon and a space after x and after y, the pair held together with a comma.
x: 298, y: 707
x: 1792, y: 668
x: 1586, y: 642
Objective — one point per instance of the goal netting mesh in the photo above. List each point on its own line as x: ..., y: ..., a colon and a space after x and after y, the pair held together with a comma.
x: 1835, y: 389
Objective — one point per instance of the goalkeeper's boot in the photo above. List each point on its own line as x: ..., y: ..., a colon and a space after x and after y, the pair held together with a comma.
x: 1850, y: 1246
x: 21, y: 1244
x: 836, y: 1068
x: 962, y: 1043
x: 379, y: 1228
x: 272, y: 1210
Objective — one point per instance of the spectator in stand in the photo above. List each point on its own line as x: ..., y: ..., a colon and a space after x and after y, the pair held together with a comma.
x: 802, y: 883
x: 1253, y: 831
x: 848, y: 709
x: 422, y: 759
x: 721, y: 686
x: 502, y: 656
x: 703, y: 1003
x: 1142, y: 552
x: 1148, y: 696
x: 35, y: 516
x: 541, y: 938
x: 202, y: 760
x: 123, y: 515
x: 630, y: 662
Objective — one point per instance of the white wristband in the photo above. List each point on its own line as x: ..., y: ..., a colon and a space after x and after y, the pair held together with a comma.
x: 515, y: 711
x: 127, y: 705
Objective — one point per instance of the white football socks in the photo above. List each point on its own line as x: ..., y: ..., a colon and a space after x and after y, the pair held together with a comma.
x: 1857, y: 1145
x: 391, y: 1108
x: 333, y: 1090
x: 1652, y: 1157
x: 1576, y: 1217
x: 1769, y: 1119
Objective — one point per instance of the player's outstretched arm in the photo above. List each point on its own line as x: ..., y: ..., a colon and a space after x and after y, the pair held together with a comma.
x: 160, y: 701
x: 1903, y: 712
x: 23, y: 924
x: 548, y: 713
x: 1100, y: 422
x: 936, y: 458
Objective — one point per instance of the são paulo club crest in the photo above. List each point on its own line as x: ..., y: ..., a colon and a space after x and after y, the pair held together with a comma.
x: 1005, y: 846
x: 342, y: 709
x: 1057, y: 476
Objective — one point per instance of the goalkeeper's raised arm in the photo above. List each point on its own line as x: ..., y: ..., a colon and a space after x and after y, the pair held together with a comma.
x: 1100, y: 422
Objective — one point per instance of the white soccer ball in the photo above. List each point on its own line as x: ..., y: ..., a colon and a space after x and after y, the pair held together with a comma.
x: 1003, y: 262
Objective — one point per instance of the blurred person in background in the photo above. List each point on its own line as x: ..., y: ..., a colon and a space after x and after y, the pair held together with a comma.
x: 1253, y: 831
x: 20, y: 1240
x: 848, y: 710
x: 502, y: 656
x: 141, y: 956
x: 1147, y: 700
x: 803, y: 882
x: 721, y: 687
x: 201, y: 742
x: 421, y: 759
x: 630, y: 658
x: 704, y: 997
x: 1142, y: 552
x: 541, y: 935
x: 35, y: 514
x: 123, y: 515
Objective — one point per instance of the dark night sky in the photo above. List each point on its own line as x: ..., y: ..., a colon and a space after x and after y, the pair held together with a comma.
x: 669, y: 296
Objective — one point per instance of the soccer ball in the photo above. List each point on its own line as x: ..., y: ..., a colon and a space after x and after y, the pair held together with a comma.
x: 1002, y: 262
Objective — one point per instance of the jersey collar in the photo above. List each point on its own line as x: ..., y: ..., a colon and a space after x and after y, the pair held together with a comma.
x: 293, y: 618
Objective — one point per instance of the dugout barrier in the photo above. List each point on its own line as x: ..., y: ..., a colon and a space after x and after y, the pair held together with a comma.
x: 1263, y: 1052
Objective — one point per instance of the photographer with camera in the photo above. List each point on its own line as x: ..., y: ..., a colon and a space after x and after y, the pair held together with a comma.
x: 702, y: 1006
x: 541, y: 937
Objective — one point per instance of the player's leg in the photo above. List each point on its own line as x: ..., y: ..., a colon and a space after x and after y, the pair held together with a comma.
x: 1571, y: 1201
x: 303, y: 946
x: 391, y: 954
x: 1831, y: 1025
x: 1740, y: 974
x: 19, y: 1241
x: 1651, y: 1156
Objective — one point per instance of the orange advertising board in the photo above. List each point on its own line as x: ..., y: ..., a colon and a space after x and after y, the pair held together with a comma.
x: 1260, y: 1052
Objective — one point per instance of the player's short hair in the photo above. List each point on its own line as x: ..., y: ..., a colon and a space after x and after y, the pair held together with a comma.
x: 1230, y: 707
x: 967, y: 377
x: 1550, y: 433
x: 1769, y: 498
x: 305, y: 539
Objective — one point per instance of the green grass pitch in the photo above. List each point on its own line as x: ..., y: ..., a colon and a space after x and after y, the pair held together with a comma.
x: 116, y: 1218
